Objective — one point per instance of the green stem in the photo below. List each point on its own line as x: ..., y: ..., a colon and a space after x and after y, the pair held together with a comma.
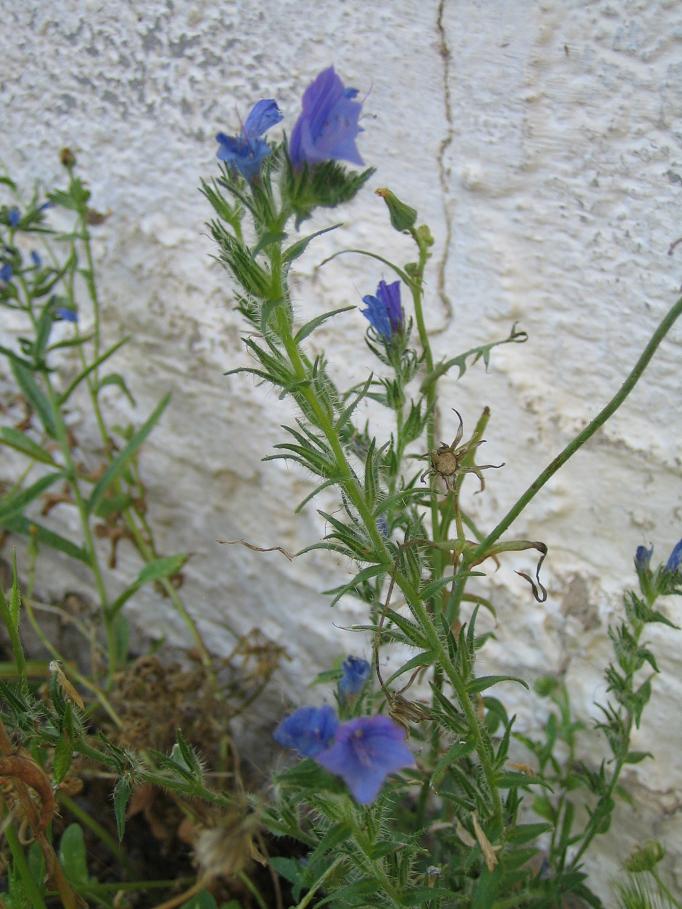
x: 417, y: 289
x: 88, y: 539
x: 664, y: 890
x: 33, y: 891
x: 253, y: 890
x: 582, y: 437
x: 307, y: 899
x: 354, y: 493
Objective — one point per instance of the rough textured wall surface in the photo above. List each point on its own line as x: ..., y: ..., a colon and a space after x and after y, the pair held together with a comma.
x: 542, y: 141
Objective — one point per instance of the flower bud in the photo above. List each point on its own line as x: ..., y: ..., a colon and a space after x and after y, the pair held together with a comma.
x: 645, y: 857
x: 67, y: 158
x: 403, y: 217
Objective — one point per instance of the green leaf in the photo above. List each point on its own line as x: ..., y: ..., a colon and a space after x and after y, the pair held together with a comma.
x: 72, y: 855
x: 421, y: 659
x: 121, y: 460
x: 634, y: 757
x: 299, y: 247
x: 451, y: 756
x: 526, y: 833
x: 122, y: 792
x: 14, y: 504
x: 64, y: 397
x: 487, y: 681
x: 13, y: 438
x: 475, y: 354
x: 117, y: 379
x: 152, y: 571
x: 40, y: 534
x: 34, y: 395
x: 202, y: 900
x: 372, y: 571
x: 63, y: 755
x: 310, y: 327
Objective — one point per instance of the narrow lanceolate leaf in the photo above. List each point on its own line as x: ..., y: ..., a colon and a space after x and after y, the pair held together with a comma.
x: 310, y: 327
x: 122, y: 792
x: 299, y: 247
x: 63, y: 398
x: 487, y: 681
x: 421, y: 659
x: 14, y: 504
x: 152, y: 571
x: 13, y: 438
x: 121, y: 460
x: 20, y: 524
x: 34, y: 395
x: 365, y: 575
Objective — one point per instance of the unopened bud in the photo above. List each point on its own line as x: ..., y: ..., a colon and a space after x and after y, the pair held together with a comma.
x: 67, y: 158
x: 645, y: 857
x: 403, y: 217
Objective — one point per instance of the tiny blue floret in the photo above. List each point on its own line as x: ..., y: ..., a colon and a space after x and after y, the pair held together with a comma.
x: 6, y: 272
x: 66, y: 314
x: 384, y: 310
x: 675, y: 559
x: 309, y: 730
x: 328, y: 126
x: 365, y: 751
x: 643, y: 557
x: 14, y: 216
x: 36, y: 258
x: 355, y: 674
x: 247, y: 151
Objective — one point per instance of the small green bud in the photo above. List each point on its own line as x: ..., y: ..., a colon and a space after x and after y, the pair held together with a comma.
x: 424, y: 235
x: 403, y: 217
x: 546, y: 685
x: 645, y: 857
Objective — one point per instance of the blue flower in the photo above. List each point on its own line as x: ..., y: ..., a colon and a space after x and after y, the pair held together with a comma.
x: 247, y: 151
x: 675, y: 559
x: 6, y: 272
x: 66, y: 314
x: 643, y: 557
x: 36, y: 258
x: 365, y: 751
x: 384, y: 311
x: 327, y: 128
x: 309, y: 730
x: 354, y: 678
x: 14, y: 216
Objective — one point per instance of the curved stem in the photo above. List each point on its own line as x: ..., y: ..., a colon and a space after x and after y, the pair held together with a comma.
x: 582, y: 437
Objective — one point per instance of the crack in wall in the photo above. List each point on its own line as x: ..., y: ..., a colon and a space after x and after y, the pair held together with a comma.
x: 444, y: 51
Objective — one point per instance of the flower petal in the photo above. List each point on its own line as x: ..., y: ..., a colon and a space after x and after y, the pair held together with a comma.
x: 309, y: 730
x: 263, y: 115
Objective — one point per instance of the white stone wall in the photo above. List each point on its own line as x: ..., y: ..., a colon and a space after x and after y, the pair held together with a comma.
x: 542, y: 142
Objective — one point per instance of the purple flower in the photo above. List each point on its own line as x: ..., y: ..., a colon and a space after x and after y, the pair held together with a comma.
x: 355, y: 674
x: 675, y: 559
x: 327, y: 128
x: 364, y: 752
x: 6, y: 272
x: 246, y: 152
x: 384, y: 311
x: 14, y: 216
x: 643, y: 557
x: 309, y: 730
